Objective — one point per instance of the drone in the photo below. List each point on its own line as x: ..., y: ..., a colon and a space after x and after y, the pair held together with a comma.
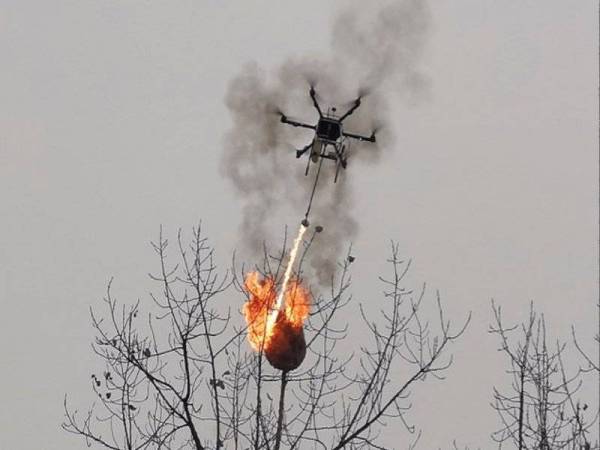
x: 330, y: 140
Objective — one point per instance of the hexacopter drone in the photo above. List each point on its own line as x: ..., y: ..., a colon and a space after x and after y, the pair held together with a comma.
x: 330, y: 139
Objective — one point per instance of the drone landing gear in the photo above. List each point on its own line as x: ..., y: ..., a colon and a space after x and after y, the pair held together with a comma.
x: 307, y: 166
x: 337, y: 155
x: 340, y: 160
x: 315, y: 154
x: 340, y: 163
x: 337, y: 171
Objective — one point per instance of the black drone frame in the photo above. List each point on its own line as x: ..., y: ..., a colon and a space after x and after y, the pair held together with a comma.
x: 353, y: 108
x: 328, y: 130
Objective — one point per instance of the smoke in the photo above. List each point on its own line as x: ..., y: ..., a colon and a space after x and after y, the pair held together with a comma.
x: 374, y: 52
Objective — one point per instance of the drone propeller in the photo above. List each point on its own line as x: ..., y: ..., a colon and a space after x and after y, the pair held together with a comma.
x: 283, y: 117
x: 364, y: 91
x: 377, y: 126
x: 311, y: 79
x: 347, y: 105
x: 275, y: 110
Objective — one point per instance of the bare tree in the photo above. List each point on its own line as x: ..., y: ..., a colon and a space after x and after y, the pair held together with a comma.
x: 455, y: 446
x: 591, y: 365
x: 181, y: 375
x: 539, y: 410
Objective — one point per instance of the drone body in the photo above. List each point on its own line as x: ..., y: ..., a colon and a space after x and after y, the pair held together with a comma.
x: 330, y: 139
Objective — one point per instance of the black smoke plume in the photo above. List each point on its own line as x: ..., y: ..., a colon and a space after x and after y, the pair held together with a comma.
x: 375, y: 51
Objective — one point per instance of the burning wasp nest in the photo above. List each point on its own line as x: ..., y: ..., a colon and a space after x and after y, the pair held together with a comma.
x: 277, y: 329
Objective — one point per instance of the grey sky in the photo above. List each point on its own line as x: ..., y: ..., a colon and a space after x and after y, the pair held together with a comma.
x: 112, y: 120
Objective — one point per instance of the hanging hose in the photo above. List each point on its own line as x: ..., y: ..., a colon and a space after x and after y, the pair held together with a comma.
x: 312, y: 194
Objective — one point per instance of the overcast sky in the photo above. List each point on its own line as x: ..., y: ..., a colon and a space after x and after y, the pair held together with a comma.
x: 112, y: 120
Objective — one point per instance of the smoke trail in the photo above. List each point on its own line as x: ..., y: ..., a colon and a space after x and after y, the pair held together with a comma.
x: 376, y: 51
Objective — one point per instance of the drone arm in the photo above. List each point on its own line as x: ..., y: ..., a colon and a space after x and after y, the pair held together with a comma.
x: 361, y: 138
x: 352, y: 109
x: 314, y: 100
x: 284, y: 119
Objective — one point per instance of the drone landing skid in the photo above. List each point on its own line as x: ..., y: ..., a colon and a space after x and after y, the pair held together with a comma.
x: 314, y: 154
x: 307, y: 166
x: 338, y: 157
x: 337, y: 171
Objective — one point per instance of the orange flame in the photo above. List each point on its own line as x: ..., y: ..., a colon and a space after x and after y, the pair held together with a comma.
x: 263, y: 317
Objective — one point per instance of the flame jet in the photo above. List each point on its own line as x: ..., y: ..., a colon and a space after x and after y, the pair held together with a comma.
x: 275, y: 321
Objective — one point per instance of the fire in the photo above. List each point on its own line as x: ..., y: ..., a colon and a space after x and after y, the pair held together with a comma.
x: 277, y: 329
